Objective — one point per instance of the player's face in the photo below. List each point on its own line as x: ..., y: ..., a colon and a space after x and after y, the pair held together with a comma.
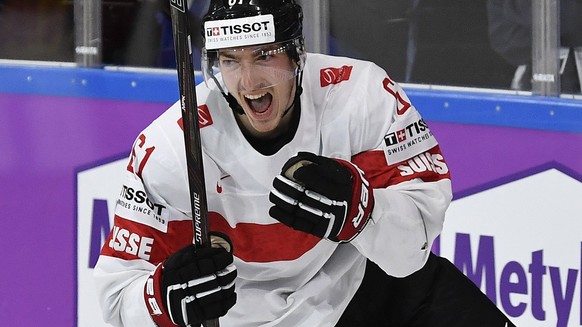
x: 262, y: 81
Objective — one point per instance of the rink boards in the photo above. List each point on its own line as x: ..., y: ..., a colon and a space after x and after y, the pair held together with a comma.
x: 513, y: 227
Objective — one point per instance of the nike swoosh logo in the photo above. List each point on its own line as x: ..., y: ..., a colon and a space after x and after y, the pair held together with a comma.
x: 219, y: 185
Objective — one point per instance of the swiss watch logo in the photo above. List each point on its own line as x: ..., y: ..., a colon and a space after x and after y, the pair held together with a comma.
x: 329, y: 76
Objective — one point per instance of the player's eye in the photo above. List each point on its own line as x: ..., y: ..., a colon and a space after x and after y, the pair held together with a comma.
x: 264, y: 57
x: 227, y: 62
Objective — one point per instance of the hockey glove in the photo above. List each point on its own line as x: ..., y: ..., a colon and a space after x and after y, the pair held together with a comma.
x: 329, y: 198
x: 193, y: 284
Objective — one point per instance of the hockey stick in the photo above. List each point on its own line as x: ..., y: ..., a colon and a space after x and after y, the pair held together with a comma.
x: 186, y: 81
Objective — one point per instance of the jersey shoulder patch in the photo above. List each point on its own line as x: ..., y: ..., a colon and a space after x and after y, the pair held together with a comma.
x: 407, y: 137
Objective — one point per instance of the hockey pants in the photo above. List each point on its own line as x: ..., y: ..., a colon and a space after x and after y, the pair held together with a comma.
x: 437, y: 295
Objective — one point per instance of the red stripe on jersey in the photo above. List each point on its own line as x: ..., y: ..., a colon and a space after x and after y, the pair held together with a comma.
x: 429, y: 166
x: 264, y: 243
x: 130, y: 240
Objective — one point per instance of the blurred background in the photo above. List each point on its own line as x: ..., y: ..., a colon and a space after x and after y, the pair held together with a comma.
x: 478, y: 43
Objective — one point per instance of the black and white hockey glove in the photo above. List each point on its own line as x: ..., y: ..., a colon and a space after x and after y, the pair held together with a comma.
x: 329, y: 198
x: 193, y: 284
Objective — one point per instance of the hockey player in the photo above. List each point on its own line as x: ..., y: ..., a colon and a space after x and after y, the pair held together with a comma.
x: 326, y: 190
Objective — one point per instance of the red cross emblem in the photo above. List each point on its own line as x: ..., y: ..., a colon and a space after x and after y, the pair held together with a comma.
x: 401, y: 134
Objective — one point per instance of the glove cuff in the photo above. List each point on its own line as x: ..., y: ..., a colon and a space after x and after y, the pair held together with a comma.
x: 361, y: 205
x: 219, y: 239
x: 154, y: 301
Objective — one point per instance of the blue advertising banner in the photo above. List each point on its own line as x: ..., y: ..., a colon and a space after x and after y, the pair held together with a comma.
x: 65, y: 134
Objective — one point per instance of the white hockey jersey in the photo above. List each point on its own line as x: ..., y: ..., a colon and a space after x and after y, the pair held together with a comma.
x: 350, y: 109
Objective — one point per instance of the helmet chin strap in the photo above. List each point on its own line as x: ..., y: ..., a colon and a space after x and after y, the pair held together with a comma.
x: 232, y: 103
x: 236, y: 107
x: 298, y: 92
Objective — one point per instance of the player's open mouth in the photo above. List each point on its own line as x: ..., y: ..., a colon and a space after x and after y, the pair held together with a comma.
x: 259, y: 103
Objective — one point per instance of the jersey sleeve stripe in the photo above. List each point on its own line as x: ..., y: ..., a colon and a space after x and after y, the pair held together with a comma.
x: 428, y: 166
x: 130, y: 240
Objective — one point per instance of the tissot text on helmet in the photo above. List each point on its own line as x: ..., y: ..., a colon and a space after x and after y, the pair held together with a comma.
x: 239, y: 32
x: 237, y: 29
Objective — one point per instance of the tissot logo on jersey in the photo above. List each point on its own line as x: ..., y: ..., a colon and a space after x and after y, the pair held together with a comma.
x: 410, y: 132
x: 137, y: 201
x: 407, y: 138
x: 139, y: 197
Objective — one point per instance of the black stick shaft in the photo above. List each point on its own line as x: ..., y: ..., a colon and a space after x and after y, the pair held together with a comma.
x: 186, y: 81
